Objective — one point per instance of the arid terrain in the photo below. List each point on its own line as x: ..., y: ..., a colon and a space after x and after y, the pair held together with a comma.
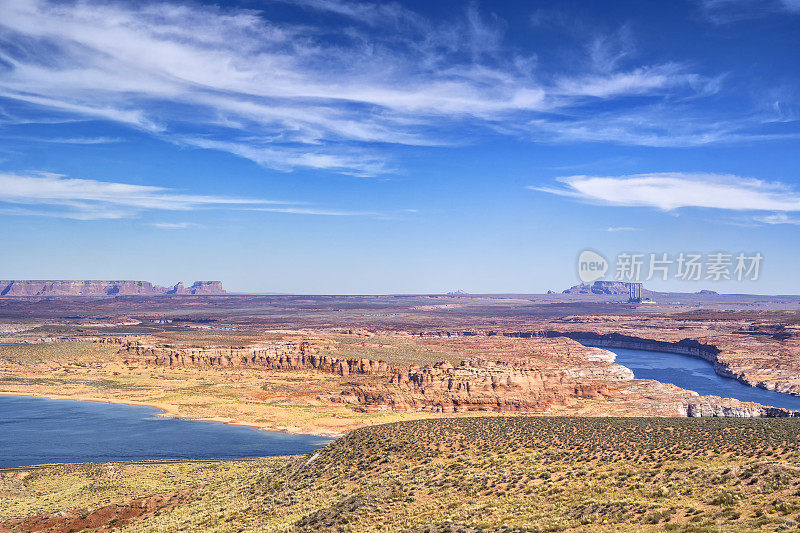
x: 328, y: 364
x: 460, y: 266
x: 437, y: 369
x: 480, y: 474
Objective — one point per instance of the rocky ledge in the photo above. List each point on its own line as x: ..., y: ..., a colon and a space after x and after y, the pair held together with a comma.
x: 551, y: 375
x: 480, y: 385
x: 277, y: 355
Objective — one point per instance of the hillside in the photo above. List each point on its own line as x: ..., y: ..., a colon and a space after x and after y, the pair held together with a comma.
x: 478, y: 474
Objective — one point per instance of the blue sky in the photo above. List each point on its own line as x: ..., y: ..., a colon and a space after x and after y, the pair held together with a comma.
x: 330, y: 146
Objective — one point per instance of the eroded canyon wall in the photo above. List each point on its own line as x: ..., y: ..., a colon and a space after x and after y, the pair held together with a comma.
x: 278, y: 355
x: 568, y: 372
x: 562, y: 374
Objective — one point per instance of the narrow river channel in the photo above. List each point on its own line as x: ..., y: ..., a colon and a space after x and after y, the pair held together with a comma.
x: 697, y: 375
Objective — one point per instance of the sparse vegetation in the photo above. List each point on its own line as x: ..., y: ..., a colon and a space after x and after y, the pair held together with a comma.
x: 476, y: 474
x: 468, y: 473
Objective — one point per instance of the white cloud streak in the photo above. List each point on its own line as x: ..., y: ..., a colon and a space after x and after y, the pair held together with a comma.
x: 778, y: 218
x: 674, y: 190
x: 348, y: 161
x: 319, y: 212
x: 289, y: 96
x: 615, y: 229
x: 65, y: 140
x: 176, y: 225
x: 55, y: 195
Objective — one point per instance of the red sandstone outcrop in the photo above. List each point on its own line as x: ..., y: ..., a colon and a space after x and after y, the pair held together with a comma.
x: 547, y: 373
x: 764, y: 354
x: 524, y: 383
x: 284, y: 355
x: 198, y: 287
x: 475, y: 385
x: 102, y: 288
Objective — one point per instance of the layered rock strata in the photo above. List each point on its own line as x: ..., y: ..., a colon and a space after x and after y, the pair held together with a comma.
x: 284, y: 355
x: 478, y: 385
x: 764, y: 356
x: 554, y: 373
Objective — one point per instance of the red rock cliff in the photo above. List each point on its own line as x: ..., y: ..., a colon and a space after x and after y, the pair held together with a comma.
x: 286, y: 355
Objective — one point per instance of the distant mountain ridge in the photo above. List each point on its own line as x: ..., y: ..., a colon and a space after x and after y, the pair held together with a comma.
x: 75, y: 287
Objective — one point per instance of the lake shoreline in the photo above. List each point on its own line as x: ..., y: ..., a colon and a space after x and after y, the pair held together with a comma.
x: 41, y: 430
x: 167, y: 411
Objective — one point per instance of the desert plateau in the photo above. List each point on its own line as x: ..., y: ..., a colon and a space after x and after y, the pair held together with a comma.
x: 444, y: 407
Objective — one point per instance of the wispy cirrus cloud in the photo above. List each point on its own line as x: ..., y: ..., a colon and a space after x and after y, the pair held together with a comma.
x: 176, y: 225
x: 778, y: 218
x: 369, y: 13
x: 675, y: 190
x: 616, y: 229
x: 319, y: 211
x: 321, y: 97
x: 607, y: 51
x: 656, y: 126
x: 346, y: 161
x: 65, y: 140
x: 54, y: 195
x: 84, y: 199
x: 633, y: 82
x: 726, y: 11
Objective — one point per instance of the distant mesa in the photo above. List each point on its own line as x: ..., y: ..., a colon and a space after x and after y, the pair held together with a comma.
x: 73, y: 287
x: 605, y: 288
x: 198, y: 287
x: 621, y: 288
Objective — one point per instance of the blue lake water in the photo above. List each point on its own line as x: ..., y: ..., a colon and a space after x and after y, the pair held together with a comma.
x: 38, y: 430
x: 697, y: 375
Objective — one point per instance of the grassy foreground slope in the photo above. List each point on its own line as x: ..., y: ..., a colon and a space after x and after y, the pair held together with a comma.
x: 476, y: 474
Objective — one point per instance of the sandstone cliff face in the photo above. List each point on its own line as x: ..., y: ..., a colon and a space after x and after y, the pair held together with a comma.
x: 523, y: 384
x: 760, y: 356
x: 551, y: 373
x: 711, y: 408
x: 74, y: 288
x: 272, y: 356
x: 544, y: 374
x: 101, y: 288
x: 474, y: 386
x: 198, y: 287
